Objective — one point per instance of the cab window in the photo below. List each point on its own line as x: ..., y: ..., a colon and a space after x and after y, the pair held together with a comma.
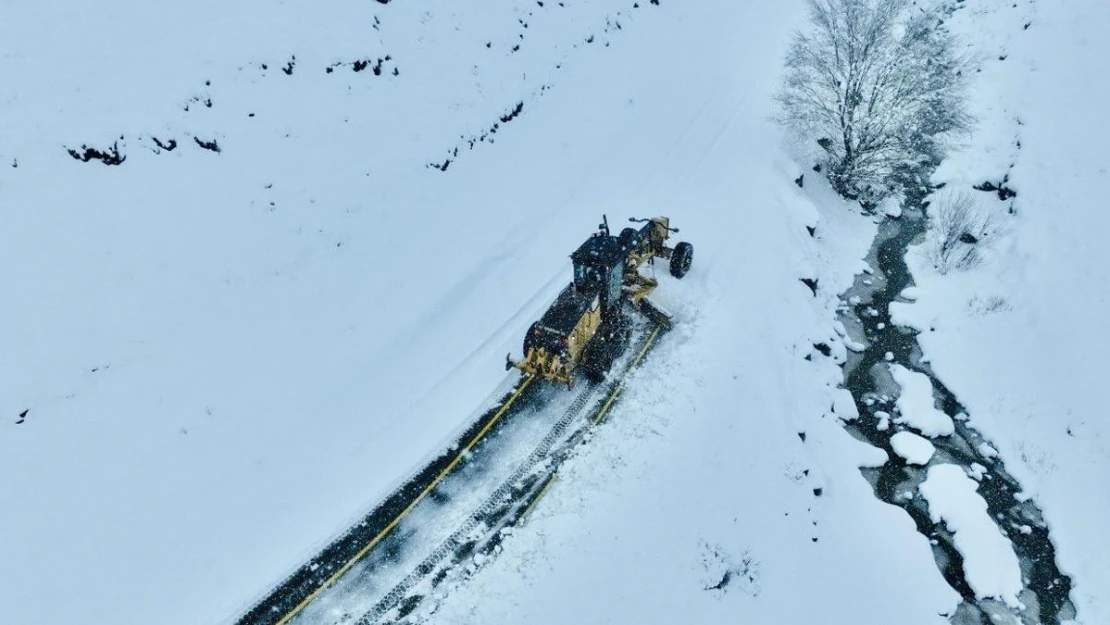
x: 585, y: 277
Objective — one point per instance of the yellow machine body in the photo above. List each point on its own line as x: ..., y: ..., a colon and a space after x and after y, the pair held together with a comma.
x: 585, y: 324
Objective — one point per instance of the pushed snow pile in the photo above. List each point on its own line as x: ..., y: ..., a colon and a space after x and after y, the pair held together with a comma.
x: 915, y: 449
x: 916, y: 404
x: 990, y: 566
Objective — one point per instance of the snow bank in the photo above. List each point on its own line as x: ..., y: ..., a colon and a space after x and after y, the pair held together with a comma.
x: 916, y: 405
x: 910, y: 293
x: 844, y: 405
x: 990, y: 565
x: 915, y: 449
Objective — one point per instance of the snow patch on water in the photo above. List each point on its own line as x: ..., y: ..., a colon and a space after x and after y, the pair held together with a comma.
x: 990, y: 565
x: 916, y: 405
x: 915, y: 449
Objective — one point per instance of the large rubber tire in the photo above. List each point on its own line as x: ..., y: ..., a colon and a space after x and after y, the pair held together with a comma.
x: 609, y: 343
x: 681, y: 259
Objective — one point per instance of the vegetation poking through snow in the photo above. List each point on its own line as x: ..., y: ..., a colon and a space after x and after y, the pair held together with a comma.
x: 211, y: 146
x: 164, y: 146
x: 1004, y: 192
x: 960, y: 231
x: 111, y: 156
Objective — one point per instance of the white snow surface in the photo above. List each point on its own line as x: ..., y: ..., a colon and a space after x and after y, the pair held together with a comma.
x: 910, y: 293
x: 915, y: 449
x: 1022, y: 338
x: 844, y: 405
x: 916, y: 406
x: 891, y: 207
x: 226, y: 358
x: 990, y: 566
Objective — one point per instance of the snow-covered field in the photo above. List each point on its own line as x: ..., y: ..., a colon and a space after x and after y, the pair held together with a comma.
x: 211, y: 361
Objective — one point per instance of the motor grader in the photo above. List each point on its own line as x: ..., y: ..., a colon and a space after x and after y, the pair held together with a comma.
x: 588, y: 325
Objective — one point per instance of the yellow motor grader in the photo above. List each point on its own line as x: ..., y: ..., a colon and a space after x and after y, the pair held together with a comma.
x: 588, y: 325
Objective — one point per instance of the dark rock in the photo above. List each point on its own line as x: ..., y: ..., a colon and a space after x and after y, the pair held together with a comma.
x: 511, y: 115
x: 211, y: 146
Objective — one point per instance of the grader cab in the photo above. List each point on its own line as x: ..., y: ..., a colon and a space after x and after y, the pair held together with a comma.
x: 588, y: 325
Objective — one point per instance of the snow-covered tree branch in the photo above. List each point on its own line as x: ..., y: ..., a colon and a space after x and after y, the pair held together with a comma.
x: 878, y: 87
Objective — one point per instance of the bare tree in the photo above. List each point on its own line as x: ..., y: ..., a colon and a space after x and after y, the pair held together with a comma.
x: 878, y: 87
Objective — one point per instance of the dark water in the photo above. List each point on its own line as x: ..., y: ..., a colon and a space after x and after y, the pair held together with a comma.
x: 867, y: 376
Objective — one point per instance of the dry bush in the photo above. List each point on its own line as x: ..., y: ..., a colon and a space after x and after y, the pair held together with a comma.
x: 960, y: 231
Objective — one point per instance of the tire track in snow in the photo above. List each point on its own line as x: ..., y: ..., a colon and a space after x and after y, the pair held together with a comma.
x: 481, y: 533
x: 379, y: 540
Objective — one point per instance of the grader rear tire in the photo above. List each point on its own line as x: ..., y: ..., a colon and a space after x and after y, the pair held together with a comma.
x: 681, y: 259
x: 606, y: 346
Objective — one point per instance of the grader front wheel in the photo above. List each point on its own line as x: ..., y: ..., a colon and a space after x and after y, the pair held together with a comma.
x: 681, y: 259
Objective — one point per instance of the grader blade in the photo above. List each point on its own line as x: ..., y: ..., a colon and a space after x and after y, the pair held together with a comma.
x: 656, y: 314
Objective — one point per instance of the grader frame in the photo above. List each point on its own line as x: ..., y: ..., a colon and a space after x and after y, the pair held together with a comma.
x: 586, y: 323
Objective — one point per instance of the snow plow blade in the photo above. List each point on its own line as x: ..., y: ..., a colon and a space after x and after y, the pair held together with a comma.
x: 656, y: 314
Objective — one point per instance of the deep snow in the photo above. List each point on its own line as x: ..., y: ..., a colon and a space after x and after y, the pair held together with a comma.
x: 225, y: 357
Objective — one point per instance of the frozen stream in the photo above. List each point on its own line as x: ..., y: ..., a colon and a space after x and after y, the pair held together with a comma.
x: 1043, y: 597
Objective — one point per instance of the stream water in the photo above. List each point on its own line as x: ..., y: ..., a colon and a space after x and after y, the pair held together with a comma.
x: 866, y: 317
